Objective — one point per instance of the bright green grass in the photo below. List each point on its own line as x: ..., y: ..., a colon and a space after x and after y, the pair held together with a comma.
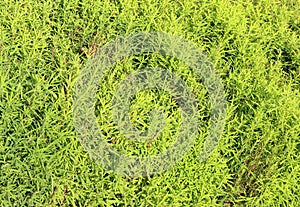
x: 254, y: 46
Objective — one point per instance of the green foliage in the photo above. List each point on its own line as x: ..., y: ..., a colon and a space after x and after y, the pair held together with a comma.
x: 254, y: 46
